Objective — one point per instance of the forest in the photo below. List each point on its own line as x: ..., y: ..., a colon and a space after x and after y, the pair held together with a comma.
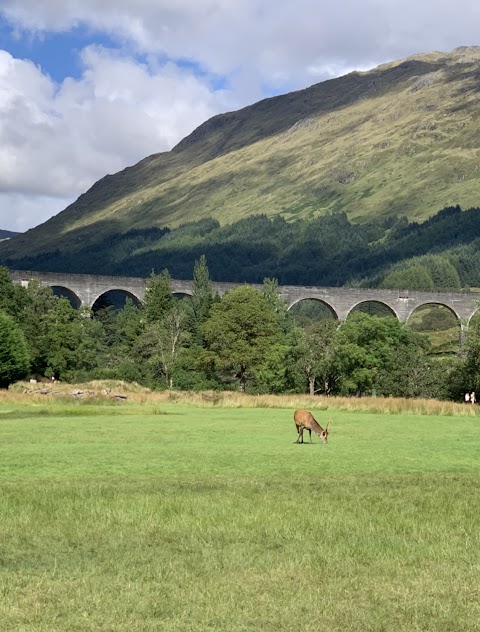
x: 246, y: 340
x: 442, y: 253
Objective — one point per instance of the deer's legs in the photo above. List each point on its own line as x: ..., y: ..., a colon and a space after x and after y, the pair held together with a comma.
x: 310, y: 433
x: 300, y: 435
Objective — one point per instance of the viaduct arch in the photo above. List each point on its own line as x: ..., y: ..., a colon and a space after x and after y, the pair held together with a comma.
x: 86, y: 289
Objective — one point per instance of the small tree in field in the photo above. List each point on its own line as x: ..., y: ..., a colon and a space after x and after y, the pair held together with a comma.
x: 14, y: 360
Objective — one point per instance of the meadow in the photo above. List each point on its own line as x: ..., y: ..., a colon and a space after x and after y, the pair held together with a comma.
x: 181, y: 514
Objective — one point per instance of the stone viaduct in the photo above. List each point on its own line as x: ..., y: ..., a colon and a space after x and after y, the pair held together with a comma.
x: 85, y: 290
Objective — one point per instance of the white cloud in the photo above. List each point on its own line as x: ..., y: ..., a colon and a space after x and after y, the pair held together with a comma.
x: 57, y: 140
x: 264, y: 38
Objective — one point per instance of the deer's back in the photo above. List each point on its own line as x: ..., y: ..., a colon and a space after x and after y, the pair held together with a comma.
x: 303, y: 418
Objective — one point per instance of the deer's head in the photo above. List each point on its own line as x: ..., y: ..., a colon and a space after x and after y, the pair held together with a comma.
x: 324, y: 434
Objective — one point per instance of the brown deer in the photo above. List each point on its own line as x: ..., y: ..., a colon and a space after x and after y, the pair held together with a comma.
x: 306, y: 421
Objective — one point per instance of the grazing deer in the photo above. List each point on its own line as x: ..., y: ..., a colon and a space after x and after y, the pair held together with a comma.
x: 305, y: 421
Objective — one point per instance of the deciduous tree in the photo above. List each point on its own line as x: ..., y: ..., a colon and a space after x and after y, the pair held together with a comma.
x: 12, y: 297
x: 314, y: 355
x: 376, y: 353
x: 161, y: 344
x: 14, y: 359
x: 240, y: 333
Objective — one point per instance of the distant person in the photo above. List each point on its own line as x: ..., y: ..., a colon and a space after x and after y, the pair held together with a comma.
x: 467, y: 398
x: 472, y: 397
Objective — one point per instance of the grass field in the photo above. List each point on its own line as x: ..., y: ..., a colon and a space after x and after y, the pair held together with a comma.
x: 176, y: 517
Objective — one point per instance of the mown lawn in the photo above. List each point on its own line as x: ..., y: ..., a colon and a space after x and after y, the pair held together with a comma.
x: 203, y: 519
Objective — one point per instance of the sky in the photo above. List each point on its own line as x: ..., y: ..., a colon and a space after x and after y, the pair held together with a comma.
x: 88, y: 87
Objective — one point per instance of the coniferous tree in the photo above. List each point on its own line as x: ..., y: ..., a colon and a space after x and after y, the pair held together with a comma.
x: 158, y: 298
x: 202, y: 298
x: 413, y: 277
x: 277, y: 304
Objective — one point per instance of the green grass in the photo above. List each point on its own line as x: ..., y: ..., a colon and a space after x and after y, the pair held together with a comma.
x: 204, y: 519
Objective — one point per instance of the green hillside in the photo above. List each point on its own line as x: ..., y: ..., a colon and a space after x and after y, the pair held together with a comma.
x: 402, y: 139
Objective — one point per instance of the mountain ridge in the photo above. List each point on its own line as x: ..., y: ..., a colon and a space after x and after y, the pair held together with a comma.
x: 398, y: 139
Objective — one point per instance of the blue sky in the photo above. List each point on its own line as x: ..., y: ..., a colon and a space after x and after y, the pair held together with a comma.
x: 87, y: 88
x: 57, y: 54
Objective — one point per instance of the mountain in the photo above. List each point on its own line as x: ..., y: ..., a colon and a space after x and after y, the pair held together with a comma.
x: 402, y: 139
x: 7, y: 234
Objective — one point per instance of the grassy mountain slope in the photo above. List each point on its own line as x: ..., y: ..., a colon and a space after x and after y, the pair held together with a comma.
x: 400, y: 139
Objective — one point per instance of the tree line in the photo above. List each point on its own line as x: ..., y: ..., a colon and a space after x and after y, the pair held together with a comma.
x: 246, y: 340
x: 442, y: 253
